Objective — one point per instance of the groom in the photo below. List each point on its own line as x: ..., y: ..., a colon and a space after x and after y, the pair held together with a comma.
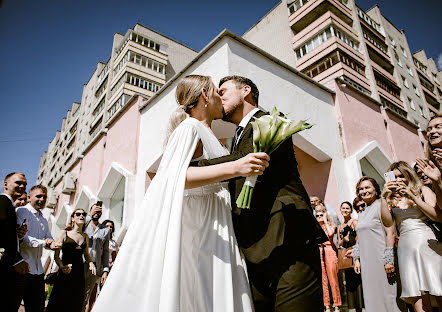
x: 278, y: 235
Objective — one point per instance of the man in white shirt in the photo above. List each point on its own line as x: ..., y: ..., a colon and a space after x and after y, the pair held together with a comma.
x: 31, y: 286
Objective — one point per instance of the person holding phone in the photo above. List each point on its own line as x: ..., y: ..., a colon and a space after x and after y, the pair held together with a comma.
x: 68, y: 291
x: 408, y: 203
x: 98, y: 238
x: 373, y: 254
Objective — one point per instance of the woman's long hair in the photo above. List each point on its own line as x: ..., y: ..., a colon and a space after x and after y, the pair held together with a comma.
x: 187, y: 95
x: 413, y: 180
x: 113, y: 225
x: 70, y: 225
x: 430, y: 148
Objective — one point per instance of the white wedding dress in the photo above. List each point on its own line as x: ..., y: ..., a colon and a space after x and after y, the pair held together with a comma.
x: 180, y: 252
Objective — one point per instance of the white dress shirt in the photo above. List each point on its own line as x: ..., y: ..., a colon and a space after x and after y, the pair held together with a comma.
x: 31, y: 248
x: 245, y: 121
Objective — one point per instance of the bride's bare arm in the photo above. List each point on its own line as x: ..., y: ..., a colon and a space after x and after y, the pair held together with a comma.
x: 251, y: 164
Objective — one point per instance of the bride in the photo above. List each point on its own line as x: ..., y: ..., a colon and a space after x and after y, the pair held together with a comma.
x: 180, y: 252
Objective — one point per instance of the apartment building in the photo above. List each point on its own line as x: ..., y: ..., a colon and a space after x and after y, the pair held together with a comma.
x: 95, y: 151
x: 361, y: 55
x: 430, y: 81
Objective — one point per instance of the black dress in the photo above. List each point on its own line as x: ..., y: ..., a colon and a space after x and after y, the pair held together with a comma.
x: 68, y: 292
x: 353, y: 281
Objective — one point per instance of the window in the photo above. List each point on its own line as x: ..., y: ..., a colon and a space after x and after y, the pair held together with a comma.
x: 405, y: 82
x: 323, y: 36
x: 403, y: 51
x: 398, y: 60
x: 410, y: 71
x: 421, y: 111
x: 410, y: 101
x: 416, y: 90
x: 393, y: 43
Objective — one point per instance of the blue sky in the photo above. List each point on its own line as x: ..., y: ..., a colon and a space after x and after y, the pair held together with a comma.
x: 50, y: 48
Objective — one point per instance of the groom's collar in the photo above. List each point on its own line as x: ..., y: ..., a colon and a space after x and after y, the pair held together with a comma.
x: 247, y: 117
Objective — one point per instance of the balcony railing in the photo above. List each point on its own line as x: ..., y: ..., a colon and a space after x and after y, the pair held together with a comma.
x: 323, y: 36
x: 296, y: 5
x: 148, y: 43
x: 122, y: 100
x: 375, y: 42
x: 370, y: 21
x: 96, y: 128
x: 332, y: 59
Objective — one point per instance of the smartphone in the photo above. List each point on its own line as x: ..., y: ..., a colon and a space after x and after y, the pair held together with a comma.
x: 24, y: 221
x: 99, y: 203
x: 389, y: 176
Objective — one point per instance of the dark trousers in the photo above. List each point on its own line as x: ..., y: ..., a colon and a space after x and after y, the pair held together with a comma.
x: 9, y: 297
x: 299, y: 288
x: 31, y: 288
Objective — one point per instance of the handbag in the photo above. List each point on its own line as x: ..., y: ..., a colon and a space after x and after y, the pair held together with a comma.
x: 343, y: 261
x: 436, y: 227
x: 51, y: 278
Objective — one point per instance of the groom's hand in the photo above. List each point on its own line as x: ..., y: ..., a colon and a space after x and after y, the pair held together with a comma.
x: 252, y: 164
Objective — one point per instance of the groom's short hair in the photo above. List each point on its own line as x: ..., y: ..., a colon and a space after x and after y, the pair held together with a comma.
x: 241, y: 82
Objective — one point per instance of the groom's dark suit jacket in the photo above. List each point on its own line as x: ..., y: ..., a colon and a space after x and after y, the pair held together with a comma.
x: 274, y: 232
x: 8, y: 234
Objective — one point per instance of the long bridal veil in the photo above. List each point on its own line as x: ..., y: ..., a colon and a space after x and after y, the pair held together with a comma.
x: 146, y: 273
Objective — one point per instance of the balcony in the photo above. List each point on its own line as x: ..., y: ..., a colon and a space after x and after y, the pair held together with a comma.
x: 96, y: 128
x: 383, y: 72
x: 388, y: 90
x: 394, y: 108
x: 337, y: 64
x: 370, y: 23
x: 305, y: 13
x: 325, y: 42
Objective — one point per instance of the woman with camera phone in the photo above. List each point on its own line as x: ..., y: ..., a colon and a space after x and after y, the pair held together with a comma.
x: 408, y: 203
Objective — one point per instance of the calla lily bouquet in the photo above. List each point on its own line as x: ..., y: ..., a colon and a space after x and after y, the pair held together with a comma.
x: 269, y: 132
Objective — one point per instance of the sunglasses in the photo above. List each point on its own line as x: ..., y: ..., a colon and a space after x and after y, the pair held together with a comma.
x: 363, y: 205
x: 319, y: 215
x: 84, y: 214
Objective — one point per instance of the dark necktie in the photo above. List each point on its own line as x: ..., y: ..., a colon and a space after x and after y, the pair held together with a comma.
x: 238, y: 132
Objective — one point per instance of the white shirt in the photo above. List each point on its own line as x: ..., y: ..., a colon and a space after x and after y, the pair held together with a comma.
x: 31, y: 248
x: 245, y: 121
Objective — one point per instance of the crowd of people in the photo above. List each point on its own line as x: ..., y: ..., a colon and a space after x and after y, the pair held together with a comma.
x: 382, y: 254
x: 84, y: 252
x: 395, y: 239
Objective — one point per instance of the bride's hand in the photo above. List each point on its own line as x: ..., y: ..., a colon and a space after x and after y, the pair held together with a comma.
x: 252, y: 164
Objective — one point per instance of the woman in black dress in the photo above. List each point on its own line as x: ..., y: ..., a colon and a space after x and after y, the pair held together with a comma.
x: 68, y: 292
x: 347, y: 238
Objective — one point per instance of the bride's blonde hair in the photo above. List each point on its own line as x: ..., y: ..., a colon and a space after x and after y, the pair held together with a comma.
x: 187, y: 95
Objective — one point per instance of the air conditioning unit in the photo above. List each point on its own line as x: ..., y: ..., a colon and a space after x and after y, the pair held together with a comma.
x: 68, y: 183
x: 52, y: 198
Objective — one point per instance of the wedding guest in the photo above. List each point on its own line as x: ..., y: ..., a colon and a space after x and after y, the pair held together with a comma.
x: 425, y: 180
x: 68, y: 292
x: 373, y: 255
x: 98, y: 242
x: 21, y: 201
x: 434, y: 155
x: 31, y: 287
x: 329, y: 261
x: 11, y: 263
x: 113, y: 245
x: 347, y: 239
x: 408, y: 203
x: 358, y: 204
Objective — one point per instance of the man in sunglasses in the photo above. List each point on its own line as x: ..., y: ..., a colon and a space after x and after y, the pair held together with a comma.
x: 98, y: 235
x: 31, y: 287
